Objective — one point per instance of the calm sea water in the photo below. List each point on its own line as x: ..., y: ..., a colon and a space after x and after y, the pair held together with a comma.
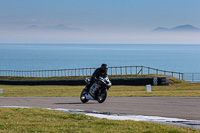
x: 181, y: 58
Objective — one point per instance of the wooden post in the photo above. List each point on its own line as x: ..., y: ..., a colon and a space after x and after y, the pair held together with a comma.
x: 172, y: 74
x: 75, y: 72
x: 164, y: 72
x: 121, y: 70
x: 156, y: 71
x: 116, y: 70
x: 39, y: 73
x: 142, y: 70
x: 126, y: 69
x: 131, y: 69
x: 65, y: 72
x: 136, y: 70
x: 193, y: 77
x: 182, y: 76
x: 111, y: 70
x: 179, y: 75
x: 79, y: 72
x: 148, y: 70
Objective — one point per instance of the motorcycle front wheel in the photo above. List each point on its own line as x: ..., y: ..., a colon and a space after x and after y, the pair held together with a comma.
x: 102, y: 96
x: 83, y: 97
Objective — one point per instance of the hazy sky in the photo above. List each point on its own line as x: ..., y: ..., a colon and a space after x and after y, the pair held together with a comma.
x: 97, y: 21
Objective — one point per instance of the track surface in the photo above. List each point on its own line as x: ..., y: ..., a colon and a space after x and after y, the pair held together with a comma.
x: 175, y: 107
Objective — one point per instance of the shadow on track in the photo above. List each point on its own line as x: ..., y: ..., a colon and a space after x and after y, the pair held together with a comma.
x: 76, y: 103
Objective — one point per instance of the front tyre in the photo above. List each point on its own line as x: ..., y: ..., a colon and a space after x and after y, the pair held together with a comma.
x: 102, y: 96
x: 83, y: 97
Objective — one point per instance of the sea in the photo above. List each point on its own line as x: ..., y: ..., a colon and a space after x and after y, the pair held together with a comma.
x: 172, y: 57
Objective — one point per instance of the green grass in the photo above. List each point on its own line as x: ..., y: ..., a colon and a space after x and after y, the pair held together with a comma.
x: 177, y: 88
x: 13, y: 120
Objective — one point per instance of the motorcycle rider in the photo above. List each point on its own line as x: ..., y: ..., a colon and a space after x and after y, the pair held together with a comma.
x: 99, y: 72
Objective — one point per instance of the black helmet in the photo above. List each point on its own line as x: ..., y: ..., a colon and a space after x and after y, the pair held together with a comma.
x: 104, y: 67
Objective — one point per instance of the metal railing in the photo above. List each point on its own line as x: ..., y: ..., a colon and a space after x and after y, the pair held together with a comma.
x: 121, y: 70
x: 192, y: 77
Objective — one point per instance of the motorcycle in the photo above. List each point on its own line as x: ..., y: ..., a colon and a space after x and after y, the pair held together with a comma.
x: 98, y: 91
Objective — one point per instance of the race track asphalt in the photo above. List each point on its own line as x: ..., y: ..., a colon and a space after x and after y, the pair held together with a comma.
x: 175, y: 107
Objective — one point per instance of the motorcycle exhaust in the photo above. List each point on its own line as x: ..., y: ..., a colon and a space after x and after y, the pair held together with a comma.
x: 89, y: 97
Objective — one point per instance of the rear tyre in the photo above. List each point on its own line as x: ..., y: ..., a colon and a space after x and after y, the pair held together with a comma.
x: 102, y: 96
x: 83, y: 97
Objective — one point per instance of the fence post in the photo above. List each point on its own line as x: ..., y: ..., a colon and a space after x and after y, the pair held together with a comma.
x: 136, y: 70
x: 179, y: 75
x: 156, y: 71
x: 148, y: 70
x: 172, y: 74
x: 182, y: 75
x: 164, y: 72
x: 142, y: 70
x: 126, y: 69
x: 61, y: 72
x: 121, y: 70
x: 111, y: 70
x: 131, y: 69
x: 82, y: 71
x: 193, y: 77
x: 116, y: 70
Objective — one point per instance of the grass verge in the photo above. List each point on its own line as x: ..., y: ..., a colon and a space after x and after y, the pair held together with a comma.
x: 178, y: 88
x: 43, y: 120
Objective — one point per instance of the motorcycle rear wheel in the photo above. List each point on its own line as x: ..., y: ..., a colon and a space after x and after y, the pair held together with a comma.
x: 83, y: 97
x: 102, y: 96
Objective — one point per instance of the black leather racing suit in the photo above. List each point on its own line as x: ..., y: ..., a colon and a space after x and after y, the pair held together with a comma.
x: 97, y: 73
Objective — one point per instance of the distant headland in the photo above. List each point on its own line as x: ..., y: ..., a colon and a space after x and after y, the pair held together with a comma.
x: 180, y: 28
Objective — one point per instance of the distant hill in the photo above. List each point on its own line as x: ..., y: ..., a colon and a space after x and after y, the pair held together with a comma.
x: 32, y: 27
x: 60, y: 27
x: 181, y: 28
